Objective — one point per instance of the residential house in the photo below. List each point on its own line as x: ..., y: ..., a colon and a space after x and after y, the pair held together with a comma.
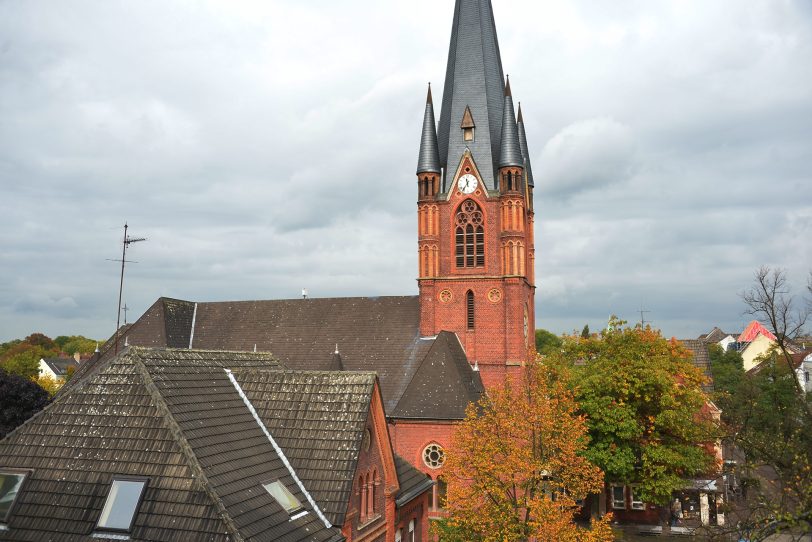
x: 163, y: 444
x: 57, y: 368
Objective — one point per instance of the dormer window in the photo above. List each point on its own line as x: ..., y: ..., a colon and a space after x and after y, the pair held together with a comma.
x: 467, y: 125
x: 121, y: 506
x: 283, y: 496
x: 10, y: 484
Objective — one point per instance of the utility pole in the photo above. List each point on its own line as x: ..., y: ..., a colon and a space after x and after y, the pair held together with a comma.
x: 125, y: 243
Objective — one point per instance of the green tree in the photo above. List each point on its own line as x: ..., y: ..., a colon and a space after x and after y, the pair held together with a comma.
x: 23, y: 359
x: 769, y: 417
x: 585, y: 332
x: 645, y: 408
x: 75, y: 343
x: 546, y: 341
x: 727, y: 369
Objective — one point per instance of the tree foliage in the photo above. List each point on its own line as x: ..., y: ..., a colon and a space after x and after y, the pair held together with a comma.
x: 516, y: 466
x: 23, y: 359
x: 75, y: 344
x: 727, y: 369
x: 546, y: 341
x: 769, y: 416
x: 644, y: 406
x: 20, y: 398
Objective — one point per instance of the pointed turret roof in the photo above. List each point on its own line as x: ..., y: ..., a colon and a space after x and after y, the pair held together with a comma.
x: 429, y: 158
x: 473, y: 79
x: 335, y: 362
x: 528, y: 170
x: 510, y: 152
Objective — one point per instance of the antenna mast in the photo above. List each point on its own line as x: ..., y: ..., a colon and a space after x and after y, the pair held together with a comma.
x: 124, y: 244
x: 642, y: 317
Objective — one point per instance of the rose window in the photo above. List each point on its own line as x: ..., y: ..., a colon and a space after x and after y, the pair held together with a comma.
x: 434, y: 456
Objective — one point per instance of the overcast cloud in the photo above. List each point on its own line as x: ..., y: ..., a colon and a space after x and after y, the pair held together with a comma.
x: 267, y: 146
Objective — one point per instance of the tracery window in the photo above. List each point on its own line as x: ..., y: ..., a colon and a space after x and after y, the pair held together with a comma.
x: 470, y: 235
x: 434, y: 456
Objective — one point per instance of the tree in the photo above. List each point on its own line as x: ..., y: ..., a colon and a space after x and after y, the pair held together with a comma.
x: 769, y: 417
x: 585, y: 332
x: 546, y: 341
x: 23, y: 359
x: 20, y: 398
x: 727, y: 369
x: 645, y: 408
x: 516, y: 466
x: 75, y: 343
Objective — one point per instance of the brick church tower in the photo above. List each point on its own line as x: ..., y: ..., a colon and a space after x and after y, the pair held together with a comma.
x: 475, y: 205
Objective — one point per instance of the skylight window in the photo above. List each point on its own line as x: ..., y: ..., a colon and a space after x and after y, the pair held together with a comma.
x: 10, y: 483
x: 122, y: 504
x: 285, y: 498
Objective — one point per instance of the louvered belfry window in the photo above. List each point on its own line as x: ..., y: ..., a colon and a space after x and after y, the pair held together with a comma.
x: 469, y: 302
x: 470, y: 235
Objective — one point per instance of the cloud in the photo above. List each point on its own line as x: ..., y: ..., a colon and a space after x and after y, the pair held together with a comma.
x: 587, y: 155
x: 44, y: 304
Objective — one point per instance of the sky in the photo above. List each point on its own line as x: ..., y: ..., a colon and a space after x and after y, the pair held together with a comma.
x: 267, y: 146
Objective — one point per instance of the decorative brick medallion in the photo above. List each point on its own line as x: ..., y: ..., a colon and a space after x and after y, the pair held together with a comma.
x: 446, y: 296
x: 495, y: 295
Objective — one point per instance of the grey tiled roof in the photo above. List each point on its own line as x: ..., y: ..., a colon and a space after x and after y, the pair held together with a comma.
x: 528, y: 169
x: 412, y: 482
x: 380, y: 334
x: 428, y: 160
x: 700, y: 359
x: 174, y: 417
x: 318, y: 418
x: 510, y: 152
x: 443, y: 385
x: 474, y: 78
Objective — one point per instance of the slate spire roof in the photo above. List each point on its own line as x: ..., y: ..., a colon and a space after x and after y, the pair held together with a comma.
x: 510, y: 152
x: 428, y: 161
x: 473, y: 79
x: 528, y: 170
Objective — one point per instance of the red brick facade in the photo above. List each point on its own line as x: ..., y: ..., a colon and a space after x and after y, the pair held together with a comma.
x: 495, y: 322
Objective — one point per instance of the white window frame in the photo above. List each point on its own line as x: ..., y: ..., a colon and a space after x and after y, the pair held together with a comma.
x: 614, y: 501
x: 411, y: 531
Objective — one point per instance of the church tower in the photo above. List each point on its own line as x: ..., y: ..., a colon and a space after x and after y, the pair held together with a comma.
x: 475, y: 205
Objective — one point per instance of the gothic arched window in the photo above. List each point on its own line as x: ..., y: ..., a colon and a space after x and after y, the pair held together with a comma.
x: 470, y: 235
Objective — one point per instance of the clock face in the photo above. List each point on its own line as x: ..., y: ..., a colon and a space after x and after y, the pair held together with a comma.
x: 467, y: 183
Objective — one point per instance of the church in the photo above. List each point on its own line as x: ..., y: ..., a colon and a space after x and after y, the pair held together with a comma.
x: 472, y: 321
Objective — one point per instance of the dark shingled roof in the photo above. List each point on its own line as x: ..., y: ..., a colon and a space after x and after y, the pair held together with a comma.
x: 700, y: 359
x: 60, y: 365
x: 318, y: 418
x: 528, y: 169
x: 474, y: 79
x: 716, y: 335
x: 412, y: 482
x: 169, y: 415
x: 428, y: 160
x: 443, y: 385
x: 510, y: 151
x: 379, y: 334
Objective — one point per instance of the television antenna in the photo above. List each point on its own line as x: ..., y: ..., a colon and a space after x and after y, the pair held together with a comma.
x: 127, y: 241
x: 643, y: 320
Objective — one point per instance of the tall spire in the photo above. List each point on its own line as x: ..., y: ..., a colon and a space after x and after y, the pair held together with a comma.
x: 473, y: 79
x: 510, y: 152
x: 429, y: 158
x: 528, y: 171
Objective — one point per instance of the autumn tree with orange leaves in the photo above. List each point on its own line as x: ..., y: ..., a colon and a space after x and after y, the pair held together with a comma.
x: 517, y: 466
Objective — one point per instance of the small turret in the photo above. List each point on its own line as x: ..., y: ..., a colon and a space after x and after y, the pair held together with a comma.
x: 528, y: 170
x: 511, y: 162
x: 428, y: 160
